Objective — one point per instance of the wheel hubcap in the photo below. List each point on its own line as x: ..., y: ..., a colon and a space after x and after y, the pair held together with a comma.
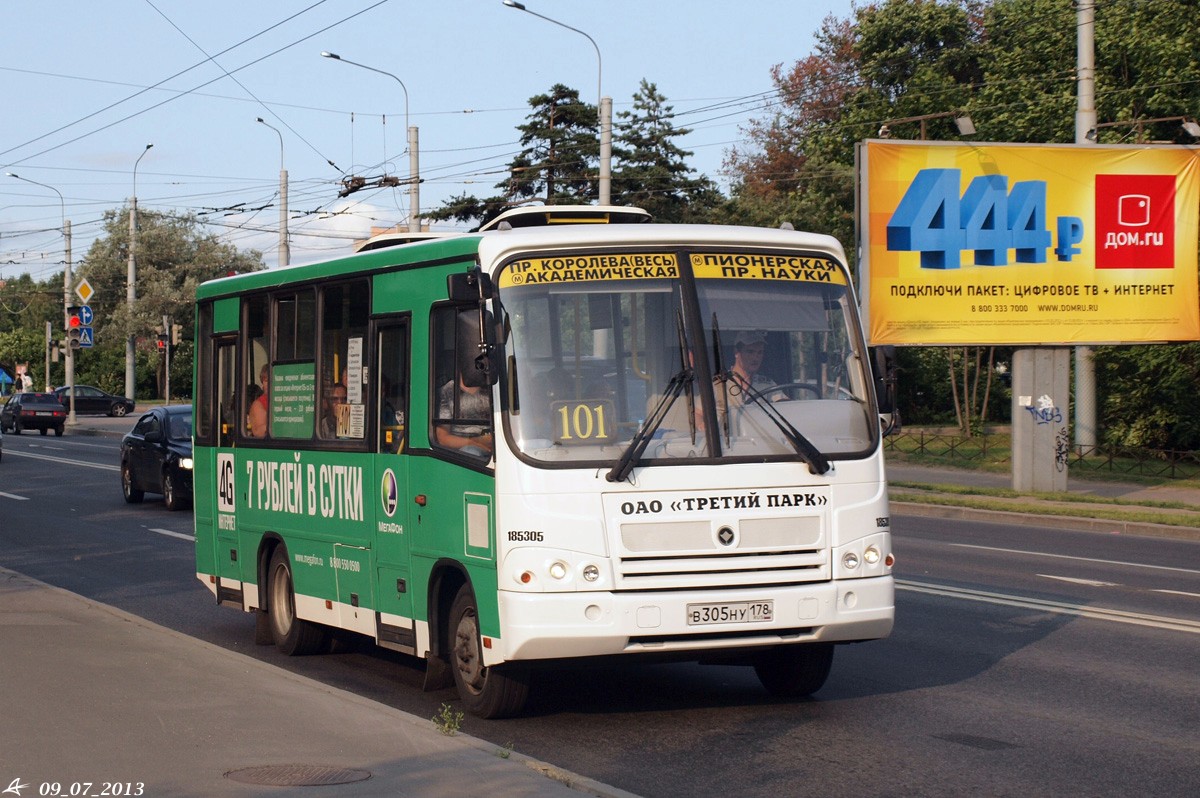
x: 281, y: 602
x: 466, y: 653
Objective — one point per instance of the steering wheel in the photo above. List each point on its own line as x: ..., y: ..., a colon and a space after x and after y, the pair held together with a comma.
x: 805, y: 390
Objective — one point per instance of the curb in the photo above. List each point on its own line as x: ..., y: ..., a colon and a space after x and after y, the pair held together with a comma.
x: 1080, y: 524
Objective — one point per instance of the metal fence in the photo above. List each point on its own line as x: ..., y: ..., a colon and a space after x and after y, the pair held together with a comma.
x: 979, y: 450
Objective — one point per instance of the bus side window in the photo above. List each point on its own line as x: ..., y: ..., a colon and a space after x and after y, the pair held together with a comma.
x: 462, y: 417
x: 256, y: 359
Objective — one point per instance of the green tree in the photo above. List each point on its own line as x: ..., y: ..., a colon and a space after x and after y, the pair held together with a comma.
x: 653, y: 173
x: 556, y: 165
x: 1149, y: 393
x: 561, y: 150
x: 174, y: 255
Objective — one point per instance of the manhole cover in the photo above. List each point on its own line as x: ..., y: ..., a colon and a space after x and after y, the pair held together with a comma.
x: 297, y: 775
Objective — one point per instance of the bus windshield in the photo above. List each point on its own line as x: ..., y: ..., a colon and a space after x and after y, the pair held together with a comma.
x: 753, y: 362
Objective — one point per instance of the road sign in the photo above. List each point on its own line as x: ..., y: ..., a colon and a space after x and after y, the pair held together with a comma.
x: 84, y: 290
x: 85, y: 315
x: 85, y: 336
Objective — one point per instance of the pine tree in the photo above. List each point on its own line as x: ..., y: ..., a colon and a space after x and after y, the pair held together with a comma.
x: 652, y: 172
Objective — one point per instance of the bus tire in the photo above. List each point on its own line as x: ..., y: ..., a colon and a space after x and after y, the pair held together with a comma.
x: 495, y: 692
x: 292, y: 636
x: 795, y: 671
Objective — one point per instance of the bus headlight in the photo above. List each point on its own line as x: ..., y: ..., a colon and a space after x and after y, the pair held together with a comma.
x: 591, y: 573
x: 558, y: 570
x: 871, y: 555
x: 850, y: 560
x: 185, y: 463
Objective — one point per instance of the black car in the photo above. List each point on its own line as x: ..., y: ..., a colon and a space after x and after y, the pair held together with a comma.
x: 89, y: 399
x: 156, y: 457
x: 39, y: 411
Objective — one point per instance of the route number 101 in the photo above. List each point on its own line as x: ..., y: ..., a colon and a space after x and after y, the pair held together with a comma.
x: 932, y: 220
x: 582, y: 422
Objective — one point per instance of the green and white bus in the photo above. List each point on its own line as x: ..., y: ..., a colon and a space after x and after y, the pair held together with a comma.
x: 535, y: 444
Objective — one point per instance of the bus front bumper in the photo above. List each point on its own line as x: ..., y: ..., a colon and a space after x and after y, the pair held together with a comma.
x: 565, y: 625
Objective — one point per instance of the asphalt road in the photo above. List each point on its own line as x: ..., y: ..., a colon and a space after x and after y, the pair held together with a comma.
x: 1025, y: 661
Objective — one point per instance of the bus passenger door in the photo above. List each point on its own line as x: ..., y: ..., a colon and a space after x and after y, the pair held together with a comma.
x: 396, y: 626
x: 222, y: 497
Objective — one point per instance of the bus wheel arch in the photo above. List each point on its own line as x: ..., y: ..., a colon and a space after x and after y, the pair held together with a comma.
x: 445, y: 579
x: 497, y: 691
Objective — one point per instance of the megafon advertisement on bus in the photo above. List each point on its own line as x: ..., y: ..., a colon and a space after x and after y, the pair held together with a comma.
x: 1019, y: 244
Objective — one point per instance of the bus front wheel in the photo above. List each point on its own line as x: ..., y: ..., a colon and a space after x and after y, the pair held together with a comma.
x: 489, y: 692
x: 292, y: 635
x: 795, y: 671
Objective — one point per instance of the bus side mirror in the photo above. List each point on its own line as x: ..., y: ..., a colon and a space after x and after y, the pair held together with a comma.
x: 470, y: 286
x: 883, y: 370
x: 476, y: 352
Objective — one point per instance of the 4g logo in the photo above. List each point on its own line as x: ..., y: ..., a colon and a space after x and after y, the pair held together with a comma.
x: 932, y: 220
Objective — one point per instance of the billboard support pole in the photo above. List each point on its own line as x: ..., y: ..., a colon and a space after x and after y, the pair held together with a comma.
x: 1085, y: 122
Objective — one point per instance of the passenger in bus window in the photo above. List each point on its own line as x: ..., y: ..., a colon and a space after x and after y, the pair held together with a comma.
x: 329, y: 422
x: 256, y: 418
x: 474, y: 403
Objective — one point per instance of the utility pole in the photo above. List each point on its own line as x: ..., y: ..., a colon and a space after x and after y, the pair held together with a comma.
x: 69, y: 366
x: 285, y: 253
x: 167, y: 358
x: 130, y: 289
x: 1085, y: 121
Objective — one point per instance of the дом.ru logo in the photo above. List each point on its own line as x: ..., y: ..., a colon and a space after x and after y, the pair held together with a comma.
x: 1135, y: 221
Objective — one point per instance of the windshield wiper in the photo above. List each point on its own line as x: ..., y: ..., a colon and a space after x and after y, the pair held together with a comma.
x: 641, y: 439
x: 817, y: 462
x: 675, y: 386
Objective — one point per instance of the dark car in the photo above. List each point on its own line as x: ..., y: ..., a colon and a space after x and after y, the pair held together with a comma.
x: 89, y: 399
x: 156, y: 457
x: 39, y: 411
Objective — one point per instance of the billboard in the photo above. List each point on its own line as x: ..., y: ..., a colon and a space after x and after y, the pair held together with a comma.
x: 1024, y: 244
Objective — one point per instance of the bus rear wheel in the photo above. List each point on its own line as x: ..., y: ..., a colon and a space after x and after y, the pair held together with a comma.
x: 292, y: 635
x: 795, y: 671
x: 499, y: 691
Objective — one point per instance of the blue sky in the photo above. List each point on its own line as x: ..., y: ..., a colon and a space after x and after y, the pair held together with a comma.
x: 87, y: 85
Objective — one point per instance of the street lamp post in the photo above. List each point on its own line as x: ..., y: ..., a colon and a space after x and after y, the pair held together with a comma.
x: 603, y: 106
x: 414, y: 182
x: 69, y: 366
x: 285, y: 254
x: 130, y: 282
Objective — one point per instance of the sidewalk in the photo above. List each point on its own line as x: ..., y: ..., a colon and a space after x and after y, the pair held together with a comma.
x: 97, y: 695
x: 919, y: 496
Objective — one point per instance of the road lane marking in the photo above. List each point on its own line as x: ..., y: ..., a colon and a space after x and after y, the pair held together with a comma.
x: 1061, y: 608
x: 1177, y: 593
x: 169, y: 533
x: 1076, y: 581
x: 1080, y: 559
x: 14, y: 496
x: 68, y: 461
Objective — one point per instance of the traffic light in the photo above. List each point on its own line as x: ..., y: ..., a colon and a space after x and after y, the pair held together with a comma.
x: 162, y: 343
x: 176, y: 334
x: 73, y: 331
